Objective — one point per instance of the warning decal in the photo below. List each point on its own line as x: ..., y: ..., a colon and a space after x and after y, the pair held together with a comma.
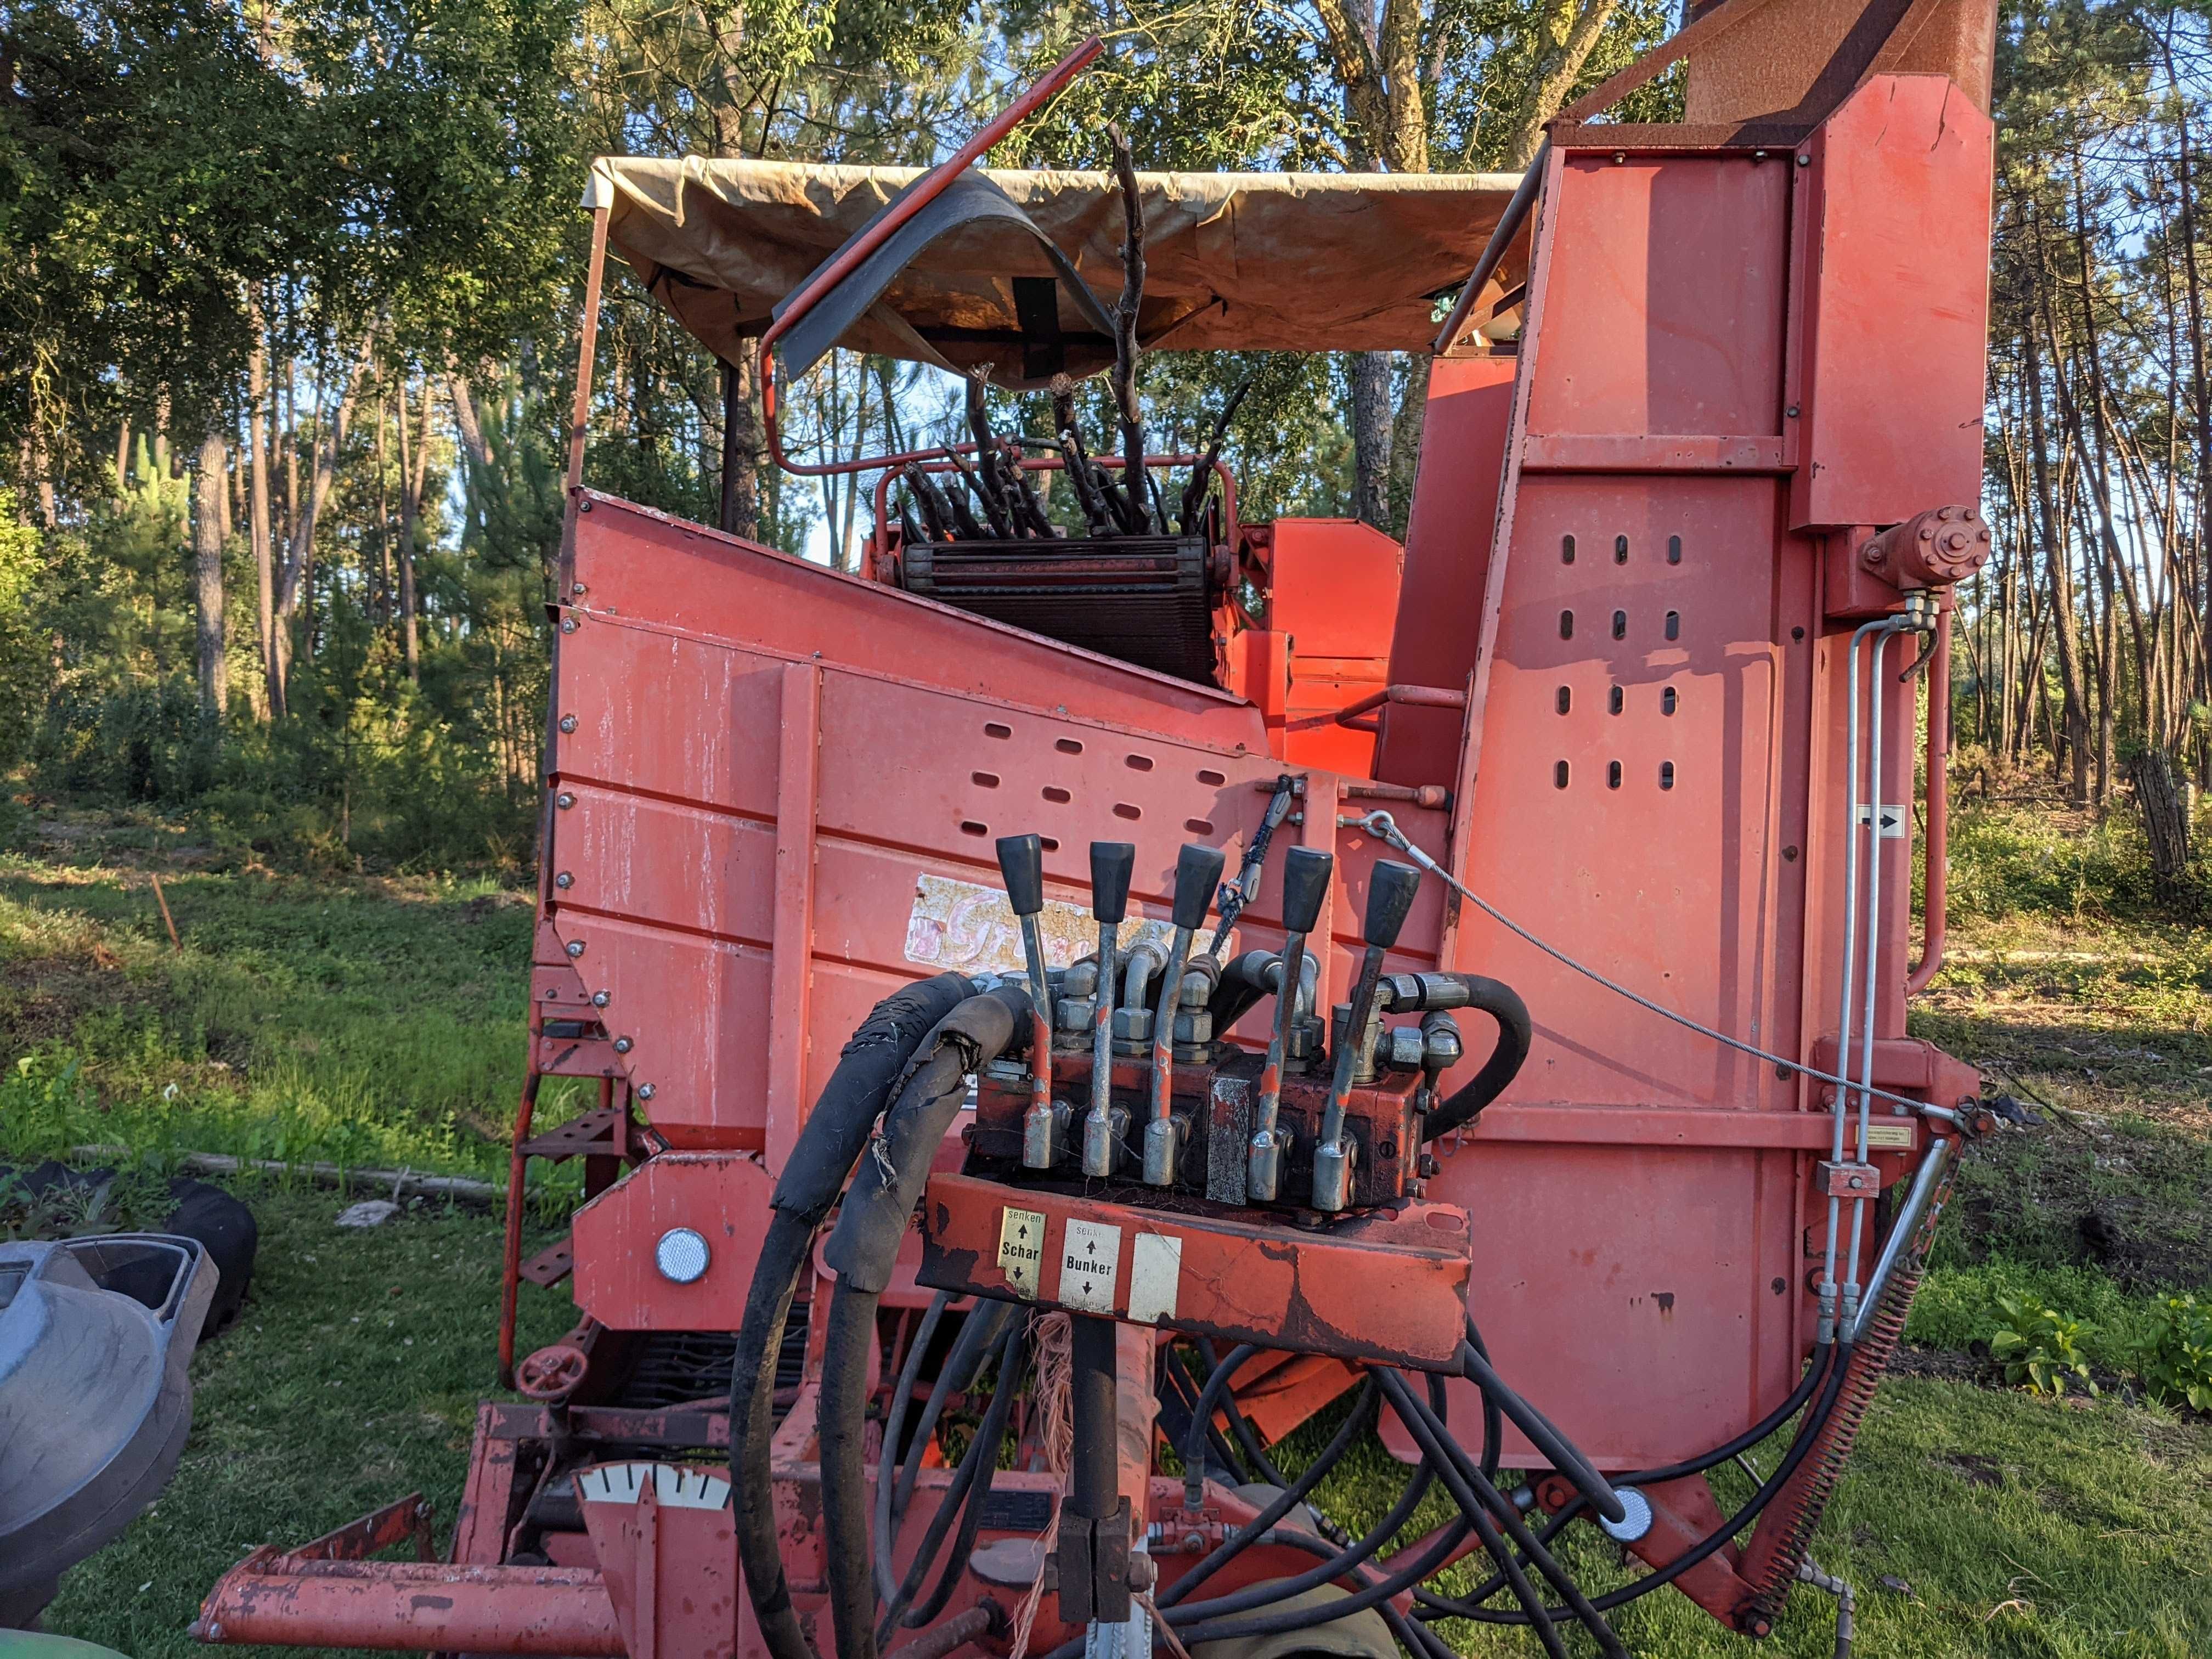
x: 1155, y: 1270
x: 1021, y: 1249
x: 1090, y: 1258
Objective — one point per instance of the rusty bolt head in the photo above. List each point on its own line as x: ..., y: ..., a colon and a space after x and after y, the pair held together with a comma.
x: 1143, y: 1572
x: 567, y: 722
x: 575, y: 947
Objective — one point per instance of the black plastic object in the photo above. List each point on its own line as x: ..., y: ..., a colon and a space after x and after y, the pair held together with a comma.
x: 1305, y: 884
x: 1112, y: 864
x: 1021, y: 862
x: 95, y: 1335
x: 1198, y: 874
x: 198, y: 1211
x: 1390, y: 892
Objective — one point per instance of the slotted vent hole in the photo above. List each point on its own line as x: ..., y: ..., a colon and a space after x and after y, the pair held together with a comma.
x: 1566, y: 549
x: 1673, y: 625
x: 1666, y: 774
x: 1566, y: 625
x: 1059, y: 796
x: 984, y: 780
x: 1140, y: 763
x: 1566, y: 698
x: 993, y: 729
x: 1667, y: 701
x: 1674, y: 549
x: 1212, y: 777
x: 1048, y: 843
x: 1123, y: 810
x: 1559, y: 774
x: 1621, y: 550
x: 1067, y: 745
x: 970, y: 827
x: 1614, y: 699
x: 1198, y: 826
x: 1620, y: 624
x: 1612, y: 775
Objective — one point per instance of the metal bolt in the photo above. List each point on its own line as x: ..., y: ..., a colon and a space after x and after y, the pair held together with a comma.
x: 567, y: 722
x: 585, y: 505
x: 621, y: 1045
x: 576, y: 947
x: 645, y: 1091
x: 564, y: 880
x: 1792, y: 411
x: 578, y: 590
x: 1619, y: 157
x: 568, y: 624
x: 598, y: 999
x: 564, y: 800
x: 1804, y: 161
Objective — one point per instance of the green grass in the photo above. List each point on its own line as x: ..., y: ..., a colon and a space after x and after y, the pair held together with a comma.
x: 350, y: 1380
x: 362, y: 1022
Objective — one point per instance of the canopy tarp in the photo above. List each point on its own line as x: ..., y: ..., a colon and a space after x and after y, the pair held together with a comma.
x: 1251, y: 261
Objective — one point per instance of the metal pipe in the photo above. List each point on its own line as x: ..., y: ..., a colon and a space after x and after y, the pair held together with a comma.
x: 1305, y: 882
x: 1112, y: 863
x: 1937, y: 851
x: 403, y: 1605
x: 1021, y: 862
x: 511, y: 1251
x: 1198, y: 874
x: 920, y: 195
x: 1877, y: 718
x: 1494, y: 251
x: 1927, y: 1180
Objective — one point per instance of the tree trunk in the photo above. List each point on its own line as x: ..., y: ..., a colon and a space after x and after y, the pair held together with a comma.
x: 299, y: 554
x: 741, y: 441
x: 2165, y: 823
x: 2064, y: 630
x: 1569, y: 30
x: 411, y: 467
x: 472, y: 445
x: 207, y: 575
x: 257, y: 501
x: 1371, y: 437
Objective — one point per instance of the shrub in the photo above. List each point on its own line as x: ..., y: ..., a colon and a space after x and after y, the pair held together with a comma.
x: 2176, y: 1362
x: 2041, y: 1347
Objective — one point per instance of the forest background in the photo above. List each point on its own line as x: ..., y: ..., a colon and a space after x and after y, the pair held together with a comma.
x: 287, y: 328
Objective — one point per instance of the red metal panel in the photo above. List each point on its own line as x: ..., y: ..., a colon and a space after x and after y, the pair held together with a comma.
x: 1455, y: 506
x: 1898, y: 316
x: 721, y: 1196
x: 1672, y: 301
x: 1334, y: 598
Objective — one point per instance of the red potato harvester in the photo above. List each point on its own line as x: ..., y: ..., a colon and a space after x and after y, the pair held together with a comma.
x: 1466, y: 977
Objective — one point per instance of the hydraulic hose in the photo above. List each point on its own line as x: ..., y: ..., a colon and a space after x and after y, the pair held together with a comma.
x: 1256, y: 1455
x: 985, y: 1325
x: 1362, y: 1416
x: 1561, y: 1452
x: 829, y: 1145
x: 1503, y: 1004
x: 860, y: 1252
x: 1185, y: 1390
x: 901, y: 1396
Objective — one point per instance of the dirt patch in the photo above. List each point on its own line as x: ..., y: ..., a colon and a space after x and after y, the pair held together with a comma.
x: 1975, y: 1470
x: 43, y: 998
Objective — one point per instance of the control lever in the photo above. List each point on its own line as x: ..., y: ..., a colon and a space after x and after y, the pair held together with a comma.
x: 1390, y: 891
x: 1305, y: 884
x: 1198, y: 872
x: 1021, y: 862
x: 1112, y: 863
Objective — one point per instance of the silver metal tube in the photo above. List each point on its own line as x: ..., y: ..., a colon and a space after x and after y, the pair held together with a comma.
x: 1098, y: 1126
x: 1877, y: 718
x: 1925, y: 1180
x: 1263, y: 1171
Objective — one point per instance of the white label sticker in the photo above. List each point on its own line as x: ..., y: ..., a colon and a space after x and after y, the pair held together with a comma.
x: 971, y: 929
x: 1021, y: 1249
x: 1889, y: 821
x: 1155, y: 1269
x: 1088, y: 1259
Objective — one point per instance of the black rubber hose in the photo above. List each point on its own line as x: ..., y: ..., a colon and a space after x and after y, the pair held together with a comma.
x: 1372, y: 1592
x: 1493, y: 1420
x: 1503, y: 1004
x: 828, y: 1145
x: 894, y: 1422
x: 1415, y: 1636
x: 1556, y: 1447
x: 1799, y: 1448
x: 1201, y: 1415
x: 978, y: 1336
x: 1247, y: 1442
x: 1468, y: 1487
x: 861, y: 1251
x: 973, y: 1481
x: 1185, y: 1390
x: 1356, y: 1424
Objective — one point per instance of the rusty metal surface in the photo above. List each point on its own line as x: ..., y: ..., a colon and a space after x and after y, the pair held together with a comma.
x: 407, y: 1606
x: 1385, y: 1286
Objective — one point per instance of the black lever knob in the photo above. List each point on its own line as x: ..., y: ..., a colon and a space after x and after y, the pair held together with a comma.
x: 1112, y: 864
x: 1198, y: 875
x: 1390, y: 892
x: 1305, y: 884
x: 1021, y: 862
